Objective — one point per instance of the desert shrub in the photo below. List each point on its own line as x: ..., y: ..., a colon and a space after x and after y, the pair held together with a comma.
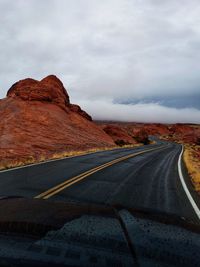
x: 142, y: 137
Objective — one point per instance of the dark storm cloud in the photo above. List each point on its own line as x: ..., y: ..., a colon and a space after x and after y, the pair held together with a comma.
x: 111, y: 51
x: 191, y: 101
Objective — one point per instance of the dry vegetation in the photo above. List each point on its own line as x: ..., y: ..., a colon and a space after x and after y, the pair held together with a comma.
x: 192, y: 160
x: 58, y: 155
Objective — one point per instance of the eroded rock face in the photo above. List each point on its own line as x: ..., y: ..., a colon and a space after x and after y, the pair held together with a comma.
x: 37, y: 119
x: 50, y: 89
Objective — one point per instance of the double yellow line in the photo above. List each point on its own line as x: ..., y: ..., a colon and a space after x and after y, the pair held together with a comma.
x: 56, y: 189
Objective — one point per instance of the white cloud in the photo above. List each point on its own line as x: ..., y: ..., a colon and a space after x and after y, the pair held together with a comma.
x: 107, y: 110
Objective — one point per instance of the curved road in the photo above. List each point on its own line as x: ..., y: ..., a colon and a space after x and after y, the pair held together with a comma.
x: 141, y: 180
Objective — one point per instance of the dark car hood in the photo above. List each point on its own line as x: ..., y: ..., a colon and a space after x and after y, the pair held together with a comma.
x: 66, y: 234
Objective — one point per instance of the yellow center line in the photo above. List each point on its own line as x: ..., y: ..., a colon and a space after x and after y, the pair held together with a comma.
x: 56, y: 189
x: 74, y: 178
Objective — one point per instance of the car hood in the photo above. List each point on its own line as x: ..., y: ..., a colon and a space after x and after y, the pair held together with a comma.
x: 68, y: 234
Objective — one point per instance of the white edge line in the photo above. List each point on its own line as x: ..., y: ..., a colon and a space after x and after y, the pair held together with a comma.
x: 192, y: 202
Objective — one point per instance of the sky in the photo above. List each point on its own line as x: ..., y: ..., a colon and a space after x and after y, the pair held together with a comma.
x: 128, y: 60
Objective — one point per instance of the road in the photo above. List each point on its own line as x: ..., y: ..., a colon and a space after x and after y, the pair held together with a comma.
x: 142, y: 177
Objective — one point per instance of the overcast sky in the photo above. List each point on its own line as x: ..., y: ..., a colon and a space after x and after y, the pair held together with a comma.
x: 133, y: 60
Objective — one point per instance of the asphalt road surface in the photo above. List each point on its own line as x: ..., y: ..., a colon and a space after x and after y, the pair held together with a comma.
x: 142, y: 177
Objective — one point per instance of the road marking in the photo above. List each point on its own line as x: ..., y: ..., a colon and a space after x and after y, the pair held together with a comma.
x: 56, y: 189
x: 59, y: 159
x: 192, y: 202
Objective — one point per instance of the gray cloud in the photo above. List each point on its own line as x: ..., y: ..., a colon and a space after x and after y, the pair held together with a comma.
x: 191, y: 101
x: 110, y: 50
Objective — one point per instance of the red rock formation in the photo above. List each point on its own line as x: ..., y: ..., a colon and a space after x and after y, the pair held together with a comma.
x: 37, y: 120
x: 119, y: 135
x: 50, y: 89
x: 185, y: 133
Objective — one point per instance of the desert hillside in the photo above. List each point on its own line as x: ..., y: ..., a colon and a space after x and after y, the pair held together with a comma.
x: 38, y: 120
x: 129, y: 132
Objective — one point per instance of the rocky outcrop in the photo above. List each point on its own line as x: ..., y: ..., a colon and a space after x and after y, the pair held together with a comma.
x: 119, y: 135
x: 49, y: 89
x: 38, y: 120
